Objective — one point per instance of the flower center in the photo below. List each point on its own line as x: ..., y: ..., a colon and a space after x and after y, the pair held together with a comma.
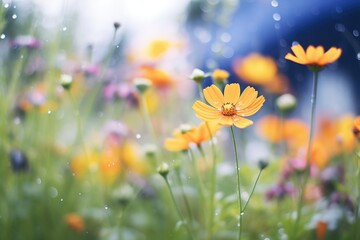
x: 228, y: 109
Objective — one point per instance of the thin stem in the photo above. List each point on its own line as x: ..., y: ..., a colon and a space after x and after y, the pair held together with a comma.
x: 238, y: 182
x: 187, y: 205
x: 308, y: 154
x: 177, y: 208
x: 252, y: 190
x: 149, y: 124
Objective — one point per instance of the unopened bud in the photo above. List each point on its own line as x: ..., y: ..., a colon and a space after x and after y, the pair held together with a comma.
x: 286, y: 103
x: 262, y: 164
x: 142, y: 84
x: 117, y: 25
x: 197, y: 75
x: 66, y: 81
x: 163, y: 169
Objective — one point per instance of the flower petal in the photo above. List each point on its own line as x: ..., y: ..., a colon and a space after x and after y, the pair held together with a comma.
x: 205, y: 112
x: 299, y: 53
x: 253, y: 108
x: 226, y: 120
x: 176, y: 144
x: 241, y: 122
x: 232, y: 93
x: 246, y: 98
x: 330, y: 56
x: 214, y: 96
x: 291, y: 57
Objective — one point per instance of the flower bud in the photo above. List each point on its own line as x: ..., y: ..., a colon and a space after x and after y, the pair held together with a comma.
x: 18, y: 161
x: 163, y: 169
x: 197, y: 75
x: 142, y: 84
x: 116, y: 25
x: 66, y: 81
x: 356, y: 127
x: 220, y: 76
x: 286, y: 103
x: 262, y: 164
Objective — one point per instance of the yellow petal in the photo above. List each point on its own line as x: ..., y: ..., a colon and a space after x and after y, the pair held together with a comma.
x: 226, y: 120
x: 214, y: 96
x: 232, y: 93
x: 205, y: 112
x: 241, y: 122
x: 176, y: 144
x: 253, y: 108
x: 291, y: 57
x: 246, y: 98
x: 330, y: 56
x: 299, y: 53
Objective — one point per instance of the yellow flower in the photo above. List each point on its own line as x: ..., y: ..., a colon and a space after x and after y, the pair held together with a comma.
x: 314, y: 56
x: 186, y: 135
x: 220, y: 75
x: 229, y: 108
x: 158, y: 48
x: 75, y: 222
x: 256, y: 69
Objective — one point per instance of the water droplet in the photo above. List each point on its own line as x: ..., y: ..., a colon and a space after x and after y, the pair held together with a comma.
x: 106, y: 207
x: 79, y: 193
x: 14, y: 6
x: 2, y: 36
x: 274, y: 3
x: 117, y: 46
x: 242, y: 213
x: 49, y: 112
x: 14, y: 16
x: 138, y: 136
x: 238, y: 224
x: 216, y: 213
x: 38, y: 181
x: 356, y: 33
x: 358, y: 56
x: 6, y: 5
x: 61, y: 199
x: 64, y: 29
x: 276, y: 17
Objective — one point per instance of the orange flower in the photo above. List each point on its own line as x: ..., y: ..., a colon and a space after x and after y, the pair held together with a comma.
x: 256, y: 69
x: 229, y: 108
x: 356, y: 128
x: 186, y: 135
x: 157, y: 76
x: 314, y: 56
x: 75, y: 222
x: 293, y: 131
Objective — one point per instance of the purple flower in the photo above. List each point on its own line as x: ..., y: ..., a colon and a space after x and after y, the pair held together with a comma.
x: 25, y: 41
x: 280, y: 191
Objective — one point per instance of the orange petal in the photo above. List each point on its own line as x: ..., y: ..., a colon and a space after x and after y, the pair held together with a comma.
x: 214, y: 96
x: 241, y: 122
x: 311, y: 54
x: 299, y: 53
x: 226, y: 120
x: 246, y: 98
x: 232, y: 93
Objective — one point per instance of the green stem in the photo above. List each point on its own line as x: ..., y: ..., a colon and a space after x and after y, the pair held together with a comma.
x: 149, y: 124
x: 178, y: 209
x: 238, y: 182
x: 252, y: 190
x: 308, y: 155
x: 187, y: 205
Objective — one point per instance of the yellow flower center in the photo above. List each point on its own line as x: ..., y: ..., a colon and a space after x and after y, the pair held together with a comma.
x: 228, y: 109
